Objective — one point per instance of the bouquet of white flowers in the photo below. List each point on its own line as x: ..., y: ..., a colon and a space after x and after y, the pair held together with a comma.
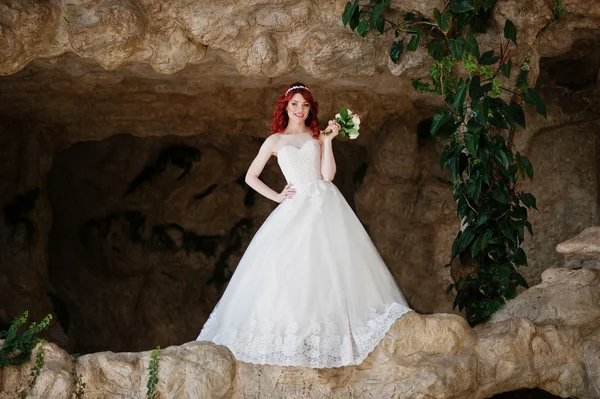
x: 349, y: 122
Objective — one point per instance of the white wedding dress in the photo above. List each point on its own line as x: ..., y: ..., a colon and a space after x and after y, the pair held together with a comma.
x: 311, y: 289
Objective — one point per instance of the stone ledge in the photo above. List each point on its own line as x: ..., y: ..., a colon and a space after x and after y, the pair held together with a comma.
x: 582, y: 250
x: 537, y: 341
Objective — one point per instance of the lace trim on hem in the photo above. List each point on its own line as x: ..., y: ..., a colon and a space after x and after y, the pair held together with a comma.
x: 317, y: 351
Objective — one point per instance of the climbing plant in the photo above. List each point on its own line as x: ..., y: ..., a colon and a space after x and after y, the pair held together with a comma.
x: 151, y: 392
x: 35, y: 371
x: 78, y: 384
x: 17, y: 348
x: 557, y: 10
x: 482, y: 110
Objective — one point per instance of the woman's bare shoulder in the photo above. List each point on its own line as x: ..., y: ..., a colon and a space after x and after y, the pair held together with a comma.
x: 273, y: 139
x: 271, y: 143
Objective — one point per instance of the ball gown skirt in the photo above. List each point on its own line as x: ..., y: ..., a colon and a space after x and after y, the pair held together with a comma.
x: 311, y: 289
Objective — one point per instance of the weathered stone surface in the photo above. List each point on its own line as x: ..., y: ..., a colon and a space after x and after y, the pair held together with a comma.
x: 25, y: 223
x: 564, y: 183
x: 435, y: 356
x: 213, y: 69
x: 583, y: 250
x: 253, y: 34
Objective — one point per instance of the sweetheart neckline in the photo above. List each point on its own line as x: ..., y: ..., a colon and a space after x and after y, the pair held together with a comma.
x: 298, y: 148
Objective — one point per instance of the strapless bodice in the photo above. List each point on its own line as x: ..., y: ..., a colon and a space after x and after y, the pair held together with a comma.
x: 300, y: 165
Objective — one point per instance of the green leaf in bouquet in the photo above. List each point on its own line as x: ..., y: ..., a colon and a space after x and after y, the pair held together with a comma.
x: 344, y: 113
x: 352, y: 131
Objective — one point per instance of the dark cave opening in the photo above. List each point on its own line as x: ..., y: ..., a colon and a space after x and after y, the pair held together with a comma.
x: 526, y: 394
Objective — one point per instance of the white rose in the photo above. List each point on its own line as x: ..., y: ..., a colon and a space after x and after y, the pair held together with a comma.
x: 353, y: 136
x: 338, y: 116
x: 349, y: 112
x: 356, y: 121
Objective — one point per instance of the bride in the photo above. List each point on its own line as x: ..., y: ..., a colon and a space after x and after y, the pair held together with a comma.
x: 311, y: 289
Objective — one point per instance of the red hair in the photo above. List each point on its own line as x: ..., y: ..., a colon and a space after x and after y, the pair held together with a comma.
x: 281, y: 118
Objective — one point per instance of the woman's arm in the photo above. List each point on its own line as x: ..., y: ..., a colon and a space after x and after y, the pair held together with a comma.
x: 256, y: 168
x: 328, y: 167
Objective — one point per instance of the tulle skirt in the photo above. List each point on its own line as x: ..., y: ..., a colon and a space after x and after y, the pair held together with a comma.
x: 311, y: 289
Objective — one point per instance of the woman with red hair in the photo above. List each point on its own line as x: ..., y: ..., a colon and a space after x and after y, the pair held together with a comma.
x: 311, y: 289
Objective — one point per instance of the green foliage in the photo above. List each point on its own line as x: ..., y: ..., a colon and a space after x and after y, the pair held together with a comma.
x: 78, y: 384
x: 476, y: 125
x: 16, y: 348
x: 35, y: 371
x: 510, y: 31
x: 557, y: 11
x: 151, y: 392
x: 557, y: 8
x: 396, y: 51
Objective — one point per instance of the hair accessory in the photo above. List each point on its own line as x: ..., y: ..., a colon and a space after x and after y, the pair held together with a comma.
x: 296, y: 87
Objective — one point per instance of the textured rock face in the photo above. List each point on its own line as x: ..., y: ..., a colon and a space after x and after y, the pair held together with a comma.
x: 545, y: 338
x: 253, y: 34
x: 205, y: 74
x: 583, y: 250
x: 25, y: 226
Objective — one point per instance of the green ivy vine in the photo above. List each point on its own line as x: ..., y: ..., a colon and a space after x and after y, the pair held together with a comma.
x: 482, y: 111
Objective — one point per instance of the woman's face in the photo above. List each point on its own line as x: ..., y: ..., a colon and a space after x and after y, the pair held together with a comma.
x: 298, y: 108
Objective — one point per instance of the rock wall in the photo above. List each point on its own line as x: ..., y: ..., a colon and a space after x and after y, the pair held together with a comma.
x: 95, y: 91
x: 25, y: 226
x: 546, y: 338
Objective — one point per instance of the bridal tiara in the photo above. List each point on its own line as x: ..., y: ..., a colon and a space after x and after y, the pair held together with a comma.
x: 296, y: 87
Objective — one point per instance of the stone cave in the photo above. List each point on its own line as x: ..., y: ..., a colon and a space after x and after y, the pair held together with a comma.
x: 124, y: 142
